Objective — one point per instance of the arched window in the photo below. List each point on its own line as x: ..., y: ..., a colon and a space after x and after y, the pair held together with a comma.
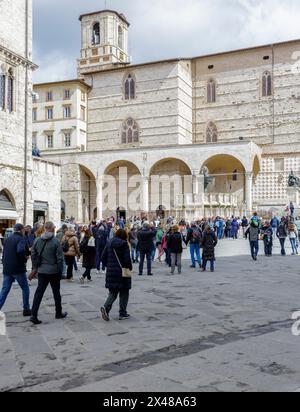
x: 2, y: 90
x: 267, y: 84
x: 5, y: 201
x: 211, y: 133
x: 96, y: 34
x: 120, y: 37
x: 130, y: 131
x: 10, y: 91
x: 211, y: 91
x: 129, y: 88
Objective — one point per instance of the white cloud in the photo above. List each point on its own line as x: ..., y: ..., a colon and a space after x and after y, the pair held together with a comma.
x: 162, y: 29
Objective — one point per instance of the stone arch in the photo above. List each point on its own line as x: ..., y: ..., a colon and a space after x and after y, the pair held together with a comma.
x: 79, y: 191
x: 170, y: 181
x: 7, y: 198
x: 122, y: 184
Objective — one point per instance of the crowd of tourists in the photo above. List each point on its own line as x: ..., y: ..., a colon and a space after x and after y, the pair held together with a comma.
x: 113, y: 247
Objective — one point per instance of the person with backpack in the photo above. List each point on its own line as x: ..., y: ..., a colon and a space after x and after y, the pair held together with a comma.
x: 253, y: 233
x: 274, y: 224
x: 47, y: 260
x: 101, y: 240
x: 244, y: 224
x: 70, y: 247
x: 88, y: 250
x: 209, y: 242
x: 194, y: 237
x: 15, y: 255
x: 293, y: 236
x: 282, y: 234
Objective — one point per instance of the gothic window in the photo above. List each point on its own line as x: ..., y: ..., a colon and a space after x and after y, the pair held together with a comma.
x: 96, y: 34
x: 211, y: 91
x: 2, y: 90
x: 120, y: 38
x: 211, y: 133
x: 267, y: 84
x: 10, y: 91
x: 129, y: 88
x: 130, y: 131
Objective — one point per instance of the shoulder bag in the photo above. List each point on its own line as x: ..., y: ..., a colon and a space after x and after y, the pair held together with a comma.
x: 126, y: 273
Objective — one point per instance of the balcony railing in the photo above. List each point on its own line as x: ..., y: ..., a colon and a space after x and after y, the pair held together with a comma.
x: 207, y: 200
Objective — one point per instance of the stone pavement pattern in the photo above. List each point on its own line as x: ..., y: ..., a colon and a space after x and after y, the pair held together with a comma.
x: 227, y: 331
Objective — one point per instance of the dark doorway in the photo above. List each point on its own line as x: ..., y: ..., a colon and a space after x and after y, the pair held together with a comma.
x: 121, y: 213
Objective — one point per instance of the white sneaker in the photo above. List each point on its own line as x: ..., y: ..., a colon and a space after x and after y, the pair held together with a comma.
x: 98, y: 272
x: 81, y: 280
x: 103, y: 272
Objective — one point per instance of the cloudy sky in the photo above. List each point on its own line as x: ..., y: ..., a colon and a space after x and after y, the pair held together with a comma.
x: 161, y: 29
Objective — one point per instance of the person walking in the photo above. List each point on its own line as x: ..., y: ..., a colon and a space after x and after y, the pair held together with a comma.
x: 101, y: 241
x: 88, y: 250
x: 116, y: 257
x: 133, y: 240
x: 70, y: 247
x: 175, y: 245
x: 234, y: 228
x: 282, y: 234
x: 267, y: 232
x: 47, y: 260
x: 274, y: 224
x: 245, y: 224
x: 159, y: 237
x: 253, y: 233
x: 209, y: 242
x: 146, y: 238
x: 14, y: 259
x: 293, y: 236
x: 194, y: 237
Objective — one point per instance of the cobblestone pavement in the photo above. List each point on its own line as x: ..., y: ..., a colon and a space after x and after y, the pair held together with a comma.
x: 226, y: 331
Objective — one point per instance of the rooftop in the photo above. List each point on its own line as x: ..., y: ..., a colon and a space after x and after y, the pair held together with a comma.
x: 120, y: 15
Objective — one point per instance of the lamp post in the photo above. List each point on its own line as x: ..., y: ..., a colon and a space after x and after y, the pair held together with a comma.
x: 26, y: 114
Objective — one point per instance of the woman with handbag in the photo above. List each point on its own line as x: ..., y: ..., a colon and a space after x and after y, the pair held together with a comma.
x: 116, y: 257
x: 88, y: 250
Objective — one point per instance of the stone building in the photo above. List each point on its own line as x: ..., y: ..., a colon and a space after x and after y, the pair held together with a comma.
x: 18, y: 169
x: 232, y: 114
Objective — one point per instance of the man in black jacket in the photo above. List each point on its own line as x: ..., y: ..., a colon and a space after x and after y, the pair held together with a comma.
x: 145, y: 246
x: 15, y: 255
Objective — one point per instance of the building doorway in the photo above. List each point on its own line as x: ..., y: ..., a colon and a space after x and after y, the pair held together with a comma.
x: 121, y: 213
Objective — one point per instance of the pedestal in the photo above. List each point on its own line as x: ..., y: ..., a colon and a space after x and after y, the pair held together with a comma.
x: 293, y: 195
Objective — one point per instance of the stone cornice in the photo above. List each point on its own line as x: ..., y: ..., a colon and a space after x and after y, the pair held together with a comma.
x: 17, y: 58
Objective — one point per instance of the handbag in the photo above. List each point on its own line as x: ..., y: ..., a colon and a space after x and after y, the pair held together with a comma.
x: 92, y: 242
x: 126, y: 273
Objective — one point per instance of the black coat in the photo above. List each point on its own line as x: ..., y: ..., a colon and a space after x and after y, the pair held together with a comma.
x: 209, y: 242
x: 15, y: 255
x: 175, y: 243
x: 89, y: 254
x: 146, y: 240
x: 114, y: 279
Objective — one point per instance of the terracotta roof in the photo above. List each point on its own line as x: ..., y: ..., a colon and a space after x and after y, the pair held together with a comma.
x: 120, y: 15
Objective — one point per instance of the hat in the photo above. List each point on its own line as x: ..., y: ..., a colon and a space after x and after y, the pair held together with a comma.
x: 18, y: 227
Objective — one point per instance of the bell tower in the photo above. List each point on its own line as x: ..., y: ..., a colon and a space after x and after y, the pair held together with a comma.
x: 104, y: 41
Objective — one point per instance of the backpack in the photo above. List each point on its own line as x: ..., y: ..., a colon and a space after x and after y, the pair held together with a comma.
x: 65, y: 246
x: 196, y: 234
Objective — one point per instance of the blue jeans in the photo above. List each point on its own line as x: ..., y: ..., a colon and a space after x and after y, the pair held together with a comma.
x: 220, y: 234
x: 195, y: 248
x: 99, y: 253
x: 294, y: 245
x: 8, y: 280
x: 254, y: 245
x: 212, y: 265
x: 144, y: 254
x: 134, y: 253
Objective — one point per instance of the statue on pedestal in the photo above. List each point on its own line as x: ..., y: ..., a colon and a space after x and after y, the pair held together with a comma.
x: 207, y: 178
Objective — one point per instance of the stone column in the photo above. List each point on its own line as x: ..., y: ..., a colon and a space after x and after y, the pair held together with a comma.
x: 145, y: 194
x: 99, y: 184
x: 248, y: 192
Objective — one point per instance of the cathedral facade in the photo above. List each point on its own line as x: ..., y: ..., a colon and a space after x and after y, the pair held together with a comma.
x: 209, y: 135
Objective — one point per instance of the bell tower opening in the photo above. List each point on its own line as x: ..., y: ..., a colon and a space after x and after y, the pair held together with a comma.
x: 104, y: 41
